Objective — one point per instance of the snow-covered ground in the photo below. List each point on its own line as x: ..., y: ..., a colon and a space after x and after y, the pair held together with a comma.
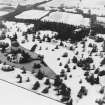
x: 61, y: 17
x: 31, y: 2
x: 68, y: 18
x: 21, y: 2
x: 32, y: 14
x: 13, y: 95
x: 3, y: 13
x: 73, y: 3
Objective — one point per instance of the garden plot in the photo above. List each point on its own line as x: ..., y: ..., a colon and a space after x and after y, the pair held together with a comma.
x: 67, y: 18
x: 32, y: 14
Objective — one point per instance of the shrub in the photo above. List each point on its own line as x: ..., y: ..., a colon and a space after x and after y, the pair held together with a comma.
x: 20, y: 79
x: 36, y: 86
x: 66, y: 66
x: 90, y: 45
x: 102, y: 90
x: 47, y: 82
x: 82, y: 91
x: 57, y: 81
x: 101, y: 73
x: 62, y: 73
x: 99, y: 39
x: 65, y: 54
x: 100, y: 101
x: 24, y: 71
x: 68, y: 69
x: 36, y: 66
x: 74, y: 60
x: 15, y: 44
x: 28, y: 79
x: 2, y: 37
x: 92, y: 80
x: 46, y: 90
x: 58, y: 58
x: 60, y: 64
x: 18, y: 76
x: 33, y: 48
x: 40, y: 75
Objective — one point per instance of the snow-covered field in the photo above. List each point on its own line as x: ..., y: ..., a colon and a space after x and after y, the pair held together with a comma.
x: 57, y: 3
x: 68, y: 18
x: 32, y: 14
x: 21, y: 2
x: 31, y: 2
x: 3, y: 13
x: 60, y: 17
x: 13, y: 95
x: 74, y: 3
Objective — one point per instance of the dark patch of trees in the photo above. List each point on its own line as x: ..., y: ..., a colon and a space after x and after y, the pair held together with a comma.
x: 85, y: 63
x: 26, y: 56
x: 3, y: 44
x: 98, y: 29
x: 36, y: 66
x: 92, y: 80
x: 65, y: 31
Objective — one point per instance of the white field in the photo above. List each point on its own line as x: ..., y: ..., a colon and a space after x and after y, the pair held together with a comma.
x: 32, y: 14
x: 74, y: 3
x: 68, y: 18
x: 21, y: 2
x: 30, y: 2
x: 3, y: 13
x: 13, y: 95
x: 57, y: 3
x: 96, y: 6
x: 60, y: 17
